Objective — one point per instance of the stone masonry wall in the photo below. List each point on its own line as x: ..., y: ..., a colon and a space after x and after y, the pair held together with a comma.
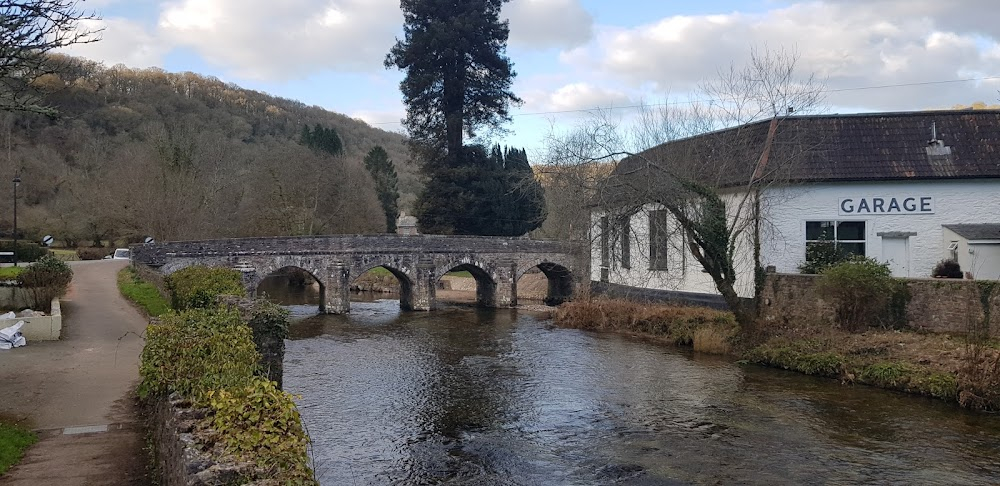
x: 179, y: 460
x: 936, y: 305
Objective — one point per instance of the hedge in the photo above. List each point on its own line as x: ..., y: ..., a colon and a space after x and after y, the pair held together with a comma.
x: 208, y: 356
x: 198, y: 287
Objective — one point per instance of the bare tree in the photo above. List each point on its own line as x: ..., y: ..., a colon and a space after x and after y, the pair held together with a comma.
x: 702, y: 193
x: 29, y: 31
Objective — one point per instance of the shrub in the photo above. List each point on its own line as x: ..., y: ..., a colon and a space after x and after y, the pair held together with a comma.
x: 198, y: 287
x: 822, y: 255
x: 47, y: 279
x: 93, y: 253
x: 27, y: 251
x: 196, y: 351
x: 947, y: 268
x: 860, y: 290
x: 208, y: 356
x: 259, y: 423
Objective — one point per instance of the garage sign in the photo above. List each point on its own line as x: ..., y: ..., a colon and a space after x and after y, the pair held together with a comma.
x: 864, y: 206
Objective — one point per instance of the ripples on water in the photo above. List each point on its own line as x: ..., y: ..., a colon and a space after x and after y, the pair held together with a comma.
x: 483, y: 397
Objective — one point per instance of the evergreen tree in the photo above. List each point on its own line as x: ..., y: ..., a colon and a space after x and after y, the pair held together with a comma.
x: 525, y: 194
x: 322, y: 139
x: 383, y: 172
x: 490, y: 194
x: 458, y: 77
x: 458, y: 81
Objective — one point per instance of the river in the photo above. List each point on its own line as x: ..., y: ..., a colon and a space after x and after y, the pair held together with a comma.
x: 501, y: 397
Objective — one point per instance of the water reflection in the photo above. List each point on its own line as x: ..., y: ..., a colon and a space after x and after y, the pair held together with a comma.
x: 463, y: 396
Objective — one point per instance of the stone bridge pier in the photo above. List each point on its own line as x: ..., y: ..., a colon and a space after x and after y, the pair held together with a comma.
x: 417, y: 262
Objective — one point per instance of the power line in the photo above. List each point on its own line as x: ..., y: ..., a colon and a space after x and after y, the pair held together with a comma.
x: 691, y: 102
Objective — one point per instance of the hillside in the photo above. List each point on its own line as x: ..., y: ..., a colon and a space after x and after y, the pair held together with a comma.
x: 181, y: 156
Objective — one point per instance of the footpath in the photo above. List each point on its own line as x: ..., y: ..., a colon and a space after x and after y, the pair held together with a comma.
x: 76, y: 393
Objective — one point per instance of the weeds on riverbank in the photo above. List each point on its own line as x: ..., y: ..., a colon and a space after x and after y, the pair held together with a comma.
x: 704, y: 329
x: 142, y: 293
x: 924, y: 364
x: 13, y: 442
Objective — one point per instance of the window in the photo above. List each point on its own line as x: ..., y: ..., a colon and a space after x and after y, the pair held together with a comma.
x: 659, y: 239
x: 848, y: 237
x: 604, y: 241
x: 627, y: 243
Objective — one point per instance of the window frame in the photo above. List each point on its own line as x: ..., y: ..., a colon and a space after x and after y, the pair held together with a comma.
x: 836, y: 233
x: 659, y: 240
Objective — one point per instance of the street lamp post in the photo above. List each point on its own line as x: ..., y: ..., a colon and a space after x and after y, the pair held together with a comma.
x: 17, y: 182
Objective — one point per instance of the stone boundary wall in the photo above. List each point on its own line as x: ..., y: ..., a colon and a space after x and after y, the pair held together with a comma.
x: 936, y: 305
x: 179, y: 460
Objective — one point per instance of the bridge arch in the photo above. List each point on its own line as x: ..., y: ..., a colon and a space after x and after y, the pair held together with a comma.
x: 406, y: 281
x: 559, y: 277
x: 486, y: 284
x: 259, y: 278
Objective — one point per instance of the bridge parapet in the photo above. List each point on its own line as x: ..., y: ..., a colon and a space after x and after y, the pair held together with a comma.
x: 417, y: 261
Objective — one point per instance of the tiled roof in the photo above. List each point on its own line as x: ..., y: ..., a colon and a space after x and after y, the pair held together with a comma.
x: 976, y: 231
x: 861, y: 147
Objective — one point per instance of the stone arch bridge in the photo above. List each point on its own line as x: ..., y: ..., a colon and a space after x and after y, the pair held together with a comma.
x: 418, y: 262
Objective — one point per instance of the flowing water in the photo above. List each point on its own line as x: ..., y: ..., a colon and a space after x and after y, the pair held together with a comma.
x: 501, y: 397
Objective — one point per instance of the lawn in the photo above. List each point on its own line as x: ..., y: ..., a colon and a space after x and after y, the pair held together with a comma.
x: 143, y: 293
x: 13, y: 442
x: 10, y: 273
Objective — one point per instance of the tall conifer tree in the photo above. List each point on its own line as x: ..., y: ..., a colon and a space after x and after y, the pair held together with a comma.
x: 458, y: 81
x: 383, y: 172
x: 458, y: 77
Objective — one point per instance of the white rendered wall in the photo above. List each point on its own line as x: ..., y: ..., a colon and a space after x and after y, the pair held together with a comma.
x: 955, y: 202
x: 783, y: 231
x: 683, y: 272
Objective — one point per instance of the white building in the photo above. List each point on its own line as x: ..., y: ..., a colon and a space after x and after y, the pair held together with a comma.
x: 909, y: 189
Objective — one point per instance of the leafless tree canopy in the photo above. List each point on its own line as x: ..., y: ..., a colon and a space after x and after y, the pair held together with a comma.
x: 141, y: 152
x: 722, y: 152
x: 29, y: 31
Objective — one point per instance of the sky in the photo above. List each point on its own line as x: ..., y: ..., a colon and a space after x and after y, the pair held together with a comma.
x: 572, y: 57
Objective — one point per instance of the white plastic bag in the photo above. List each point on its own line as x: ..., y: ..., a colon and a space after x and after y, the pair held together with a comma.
x: 10, y: 337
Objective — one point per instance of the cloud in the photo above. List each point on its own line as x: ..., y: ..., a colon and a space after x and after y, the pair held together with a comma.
x: 259, y: 39
x: 544, y: 24
x: 582, y: 96
x: 849, y: 43
x: 390, y: 120
x: 122, y: 41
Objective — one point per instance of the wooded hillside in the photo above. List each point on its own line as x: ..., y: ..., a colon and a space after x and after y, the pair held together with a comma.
x: 183, y: 156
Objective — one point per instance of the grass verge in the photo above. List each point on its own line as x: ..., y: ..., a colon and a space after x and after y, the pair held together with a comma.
x: 10, y: 273
x: 13, y: 442
x: 142, y: 293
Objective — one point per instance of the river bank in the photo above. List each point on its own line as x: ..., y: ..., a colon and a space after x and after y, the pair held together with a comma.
x: 950, y: 368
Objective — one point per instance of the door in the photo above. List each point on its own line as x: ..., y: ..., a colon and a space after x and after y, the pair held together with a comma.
x: 896, y: 251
